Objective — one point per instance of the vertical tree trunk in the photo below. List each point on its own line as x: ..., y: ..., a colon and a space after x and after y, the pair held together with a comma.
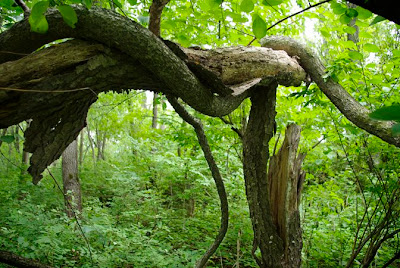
x: 72, y: 187
x: 91, y: 144
x: 16, y: 141
x: 285, y: 182
x: 255, y: 158
x: 353, y: 37
x: 273, y: 199
x: 155, y: 111
x: 81, y: 135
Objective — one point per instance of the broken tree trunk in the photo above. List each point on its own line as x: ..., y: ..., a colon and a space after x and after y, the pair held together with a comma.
x: 285, y: 181
x: 274, y: 197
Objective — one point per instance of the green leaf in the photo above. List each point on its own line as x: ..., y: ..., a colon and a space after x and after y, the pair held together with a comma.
x: 396, y: 129
x: 377, y: 19
x: 396, y: 52
x: 355, y: 55
x: 7, y: 3
x: 37, y: 19
x: 213, y: 4
x: 247, y: 6
x: 363, y: 13
x: 7, y: 138
x: 337, y: 8
x: 117, y: 3
x: 259, y: 27
x: 351, y: 12
x: 87, y: 3
x: 371, y: 48
x: 387, y: 113
x: 272, y: 2
x: 69, y: 15
x: 133, y: 2
x: 345, y: 19
x: 350, y: 30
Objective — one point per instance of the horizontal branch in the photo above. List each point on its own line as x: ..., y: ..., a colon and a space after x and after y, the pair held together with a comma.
x: 19, y: 261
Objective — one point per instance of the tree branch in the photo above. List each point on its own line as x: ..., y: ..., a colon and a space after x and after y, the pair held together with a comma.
x: 19, y: 261
x: 201, y: 136
x: 346, y: 104
x: 155, y: 13
x: 292, y: 15
x: 24, y: 7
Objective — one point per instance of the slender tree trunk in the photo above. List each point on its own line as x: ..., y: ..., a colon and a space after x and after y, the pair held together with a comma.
x: 155, y: 111
x: 81, y: 147
x: 91, y: 144
x: 355, y: 36
x: 103, y: 146
x: 16, y: 141
x: 255, y: 158
x: 72, y: 187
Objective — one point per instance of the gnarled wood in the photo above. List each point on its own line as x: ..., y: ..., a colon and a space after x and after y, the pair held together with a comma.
x: 285, y: 182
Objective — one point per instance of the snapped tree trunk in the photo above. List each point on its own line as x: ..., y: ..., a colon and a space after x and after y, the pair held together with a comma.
x: 285, y: 183
x: 72, y: 187
x: 274, y: 197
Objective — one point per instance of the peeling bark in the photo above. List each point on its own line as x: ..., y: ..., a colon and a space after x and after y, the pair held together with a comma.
x: 285, y: 182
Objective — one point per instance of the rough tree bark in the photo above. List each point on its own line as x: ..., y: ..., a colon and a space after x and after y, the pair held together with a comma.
x: 273, y: 197
x: 72, y: 186
x: 20, y: 262
x: 155, y: 13
x: 255, y: 159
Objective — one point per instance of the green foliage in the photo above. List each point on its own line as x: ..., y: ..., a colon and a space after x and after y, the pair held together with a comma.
x: 247, y: 6
x: 68, y: 14
x: 389, y: 113
x: 7, y: 138
x: 259, y: 26
x: 37, y: 19
x: 377, y: 19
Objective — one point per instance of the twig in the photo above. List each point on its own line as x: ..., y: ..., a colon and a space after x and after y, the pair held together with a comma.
x: 238, y: 131
x: 317, y: 143
x: 292, y: 15
x: 14, y: 53
x: 46, y: 91
x: 75, y: 216
x: 24, y: 7
x: 276, y: 144
x: 201, y: 136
